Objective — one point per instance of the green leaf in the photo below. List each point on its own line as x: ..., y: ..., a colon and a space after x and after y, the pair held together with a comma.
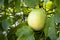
x: 6, y: 23
x: 52, y: 30
x: 31, y: 3
x: 1, y: 3
x: 57, y: 11
x: 25, y: 33
x: 17, y: 5
x: 58, y: 38
x: 47, y: 24
x: 57, y: 15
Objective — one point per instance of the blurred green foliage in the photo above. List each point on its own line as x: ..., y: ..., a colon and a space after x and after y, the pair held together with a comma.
x: 13, y: 20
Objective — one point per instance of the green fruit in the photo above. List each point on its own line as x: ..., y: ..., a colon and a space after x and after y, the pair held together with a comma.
x: 36, y: 19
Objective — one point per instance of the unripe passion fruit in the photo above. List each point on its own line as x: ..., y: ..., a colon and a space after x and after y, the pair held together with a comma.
x: 36, y: 19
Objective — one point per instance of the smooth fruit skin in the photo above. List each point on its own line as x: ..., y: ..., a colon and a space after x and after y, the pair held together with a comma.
x: 36, y: 19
